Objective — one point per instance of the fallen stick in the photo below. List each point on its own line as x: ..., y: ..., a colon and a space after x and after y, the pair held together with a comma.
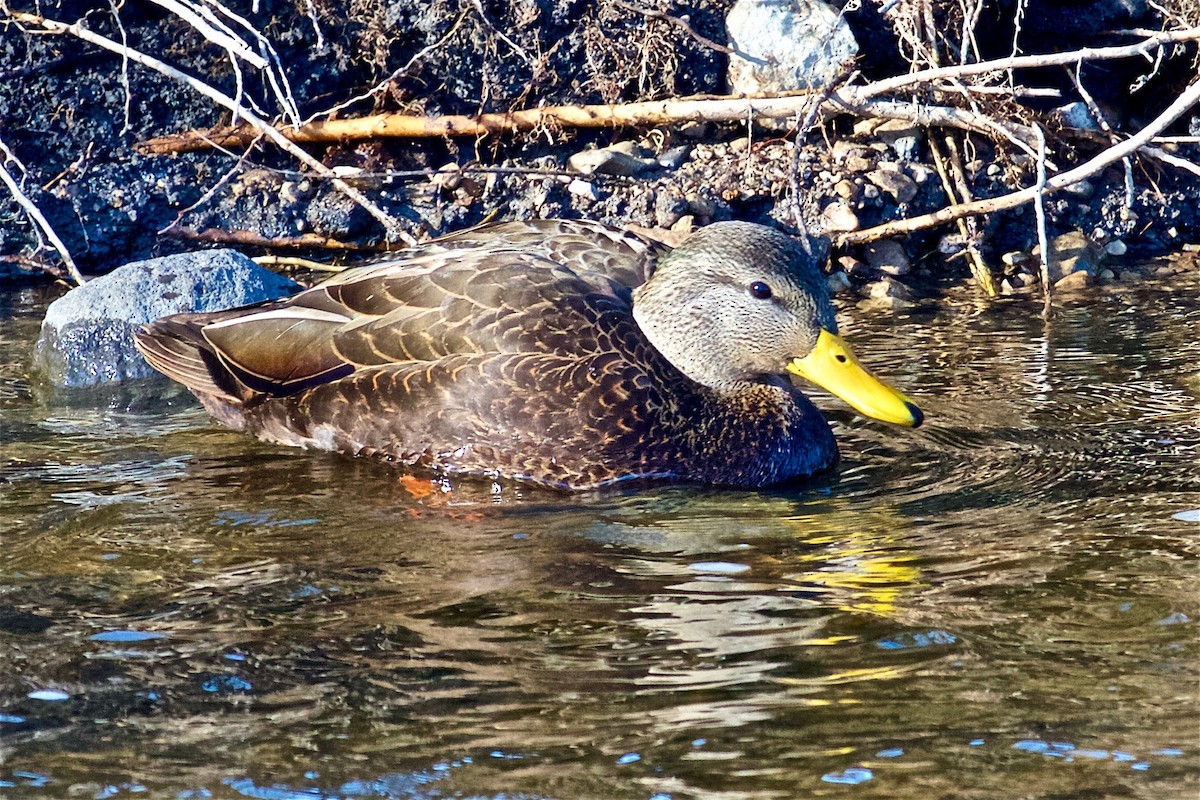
x: 633, y: 115
x: 254, y: 239
x: 1031, y: 62
x: 1186, y: 100
x: 859, y: 100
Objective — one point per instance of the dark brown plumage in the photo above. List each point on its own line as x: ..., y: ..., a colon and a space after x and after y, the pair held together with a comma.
x: 519, y: 351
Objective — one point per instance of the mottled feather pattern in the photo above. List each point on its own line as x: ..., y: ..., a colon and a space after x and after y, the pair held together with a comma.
x: 509, y: 351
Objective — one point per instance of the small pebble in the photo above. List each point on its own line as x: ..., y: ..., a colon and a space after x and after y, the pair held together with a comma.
x: 901, y: 187
x: 839, y: 217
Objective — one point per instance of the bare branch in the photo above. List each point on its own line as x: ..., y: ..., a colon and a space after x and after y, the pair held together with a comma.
x: 924, y: 76
x: 1039, y: 215
x: 1185, y: 101
x: 858, y: 100
x: 35, y: 213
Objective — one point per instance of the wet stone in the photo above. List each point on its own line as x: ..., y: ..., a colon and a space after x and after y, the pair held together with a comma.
x: 838, y: 282
x: 887, y: 287
x: 87, y: 334
x: 1072, y: 252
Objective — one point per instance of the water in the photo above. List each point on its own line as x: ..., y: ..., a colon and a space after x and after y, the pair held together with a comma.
x: 1002, y: 603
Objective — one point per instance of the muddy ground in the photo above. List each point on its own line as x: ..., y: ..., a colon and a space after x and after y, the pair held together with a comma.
x: 73, y: 115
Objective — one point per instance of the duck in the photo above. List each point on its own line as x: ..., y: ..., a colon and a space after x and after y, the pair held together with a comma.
x: 561, y: 353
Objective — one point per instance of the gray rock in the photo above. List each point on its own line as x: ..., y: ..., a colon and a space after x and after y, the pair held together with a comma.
x: 838, y: 282
x: 612, y: 160
x: 888, y: 287
x: 1116, y: 248
x: 904, y: 137
x: 674, y: 157
x: 87, y: 334
x: 668, y: 209
x: 786, y: 45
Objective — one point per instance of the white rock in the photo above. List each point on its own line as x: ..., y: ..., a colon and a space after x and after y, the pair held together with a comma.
x: 786, y: 45
x: 1077, y: 115
x: 581, y: 188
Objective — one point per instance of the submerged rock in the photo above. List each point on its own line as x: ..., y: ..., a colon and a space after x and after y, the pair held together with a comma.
x: 1070, y: 253
x: 87, y: 334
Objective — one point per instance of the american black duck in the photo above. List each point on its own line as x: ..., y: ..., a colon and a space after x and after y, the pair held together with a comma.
x: 562, y: 353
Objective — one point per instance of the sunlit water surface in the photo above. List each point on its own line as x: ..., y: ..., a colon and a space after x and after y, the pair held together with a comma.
x: 999, y: 604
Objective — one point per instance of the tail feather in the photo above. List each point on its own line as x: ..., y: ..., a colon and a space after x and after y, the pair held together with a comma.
x: 175, y: 347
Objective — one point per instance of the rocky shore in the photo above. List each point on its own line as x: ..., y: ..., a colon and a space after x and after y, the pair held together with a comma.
x: 73, y: 116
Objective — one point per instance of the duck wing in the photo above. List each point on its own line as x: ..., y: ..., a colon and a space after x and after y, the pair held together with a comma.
x: 441, y: 300
x: 584, y: 245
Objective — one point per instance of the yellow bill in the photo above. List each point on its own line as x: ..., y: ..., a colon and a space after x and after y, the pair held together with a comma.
x: 832, y: 366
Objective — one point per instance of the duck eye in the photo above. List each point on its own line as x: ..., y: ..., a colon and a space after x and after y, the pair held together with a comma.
x: 760, y: 291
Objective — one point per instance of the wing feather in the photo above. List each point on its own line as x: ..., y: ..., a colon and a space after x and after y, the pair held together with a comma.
x: 560, y: 287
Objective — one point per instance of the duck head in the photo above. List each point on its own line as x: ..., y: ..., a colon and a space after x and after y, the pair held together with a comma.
x: 740, y: 303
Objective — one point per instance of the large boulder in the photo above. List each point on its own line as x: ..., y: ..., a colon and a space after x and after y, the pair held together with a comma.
x: 786, y: 45
x: 87, y: 334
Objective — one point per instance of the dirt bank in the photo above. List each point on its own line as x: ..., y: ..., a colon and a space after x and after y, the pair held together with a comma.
x: 72, y: 115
